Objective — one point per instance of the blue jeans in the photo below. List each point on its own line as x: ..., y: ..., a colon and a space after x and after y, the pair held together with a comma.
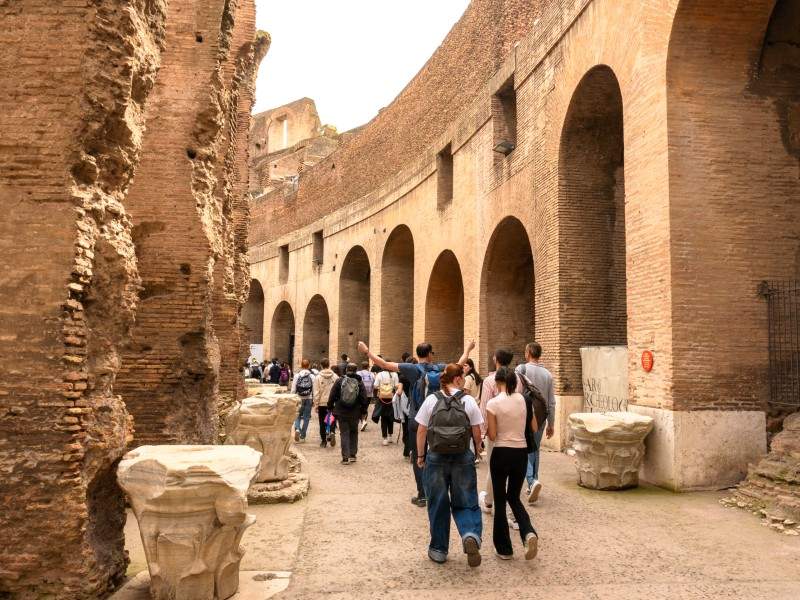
x: 303, y: 417
x: 451, y: 487
x: 533, y: 458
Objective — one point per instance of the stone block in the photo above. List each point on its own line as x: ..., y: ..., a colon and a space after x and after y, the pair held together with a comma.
x: 609, y: 448
x: 265, y: 424
x: 191, y: 504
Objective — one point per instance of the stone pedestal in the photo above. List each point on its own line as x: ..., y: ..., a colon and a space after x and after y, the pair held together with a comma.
x: 191, y: 504
x: 255, y: 388
x: 609, y: 448
x: 265, y: 424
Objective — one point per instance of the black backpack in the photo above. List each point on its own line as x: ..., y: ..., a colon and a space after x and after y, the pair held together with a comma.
x: 536, y: 406
x: 449, y: 430
x: 348, y: 396
x: 304, y: 385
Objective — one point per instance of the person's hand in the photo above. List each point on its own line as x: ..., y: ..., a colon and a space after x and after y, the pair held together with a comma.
x: 420, y: 461
x: 549, y: 431
x: 471, y: 346
x: 363, y: 348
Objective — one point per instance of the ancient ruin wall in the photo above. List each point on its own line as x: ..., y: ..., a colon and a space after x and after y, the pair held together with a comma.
x: 72, y: 119
x: 449, y: 82
x: 188, y: 226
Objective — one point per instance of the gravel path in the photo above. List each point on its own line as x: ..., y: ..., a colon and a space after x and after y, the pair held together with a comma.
x: 357, y: 536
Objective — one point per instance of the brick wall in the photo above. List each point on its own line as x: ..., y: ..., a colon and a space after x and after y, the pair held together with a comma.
x: 189, y: 226
x: 71, y: 109
x: 397, y: 300
x: 354, y: 301
x: 444, y: 308
x: 316, y: 330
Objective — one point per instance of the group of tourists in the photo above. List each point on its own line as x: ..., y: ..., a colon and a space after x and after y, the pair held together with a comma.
x: 274, y: 372
x: 448, y: 415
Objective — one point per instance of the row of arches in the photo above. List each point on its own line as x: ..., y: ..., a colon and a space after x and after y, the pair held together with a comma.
x: 591, y: 263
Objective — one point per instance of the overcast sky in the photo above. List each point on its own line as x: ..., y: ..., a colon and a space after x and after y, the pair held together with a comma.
x: 351, y: 56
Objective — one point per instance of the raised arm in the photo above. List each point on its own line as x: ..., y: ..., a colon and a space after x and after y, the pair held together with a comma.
x: 383, y: 364
x: 470, y: 347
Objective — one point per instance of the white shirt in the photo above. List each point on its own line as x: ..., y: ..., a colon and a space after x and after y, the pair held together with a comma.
x: 470, y: 406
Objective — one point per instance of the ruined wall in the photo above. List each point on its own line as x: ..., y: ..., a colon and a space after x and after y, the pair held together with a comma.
x: 71, y: 114
x: 189, y: 225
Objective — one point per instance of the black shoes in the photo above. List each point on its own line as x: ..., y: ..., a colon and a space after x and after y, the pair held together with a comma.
x: 419, y: 501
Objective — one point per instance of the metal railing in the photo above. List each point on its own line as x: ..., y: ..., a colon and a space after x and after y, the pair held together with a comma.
x: 783, y: 306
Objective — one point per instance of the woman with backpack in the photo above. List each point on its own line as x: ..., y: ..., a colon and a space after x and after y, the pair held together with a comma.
x: 510, y: 425
x: 385, y: 386
x: 448, y: 421
x: 286, y: 374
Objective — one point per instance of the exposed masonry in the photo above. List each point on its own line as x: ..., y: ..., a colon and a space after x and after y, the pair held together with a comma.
x: 77, y: 277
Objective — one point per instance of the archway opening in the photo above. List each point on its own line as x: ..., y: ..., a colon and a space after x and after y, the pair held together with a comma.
x: 253, y: 313
x: 733, y: 77
x: 592, y: 273
x: 354, y: 290
x: 507, y: 301
x: 444, y: 308
x: 397, y: 294
x: 282, y: 334
x: 316, y: 330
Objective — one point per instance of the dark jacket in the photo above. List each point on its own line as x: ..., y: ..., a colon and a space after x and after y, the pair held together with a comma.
x: 274, y: 373
x: 351, y: 412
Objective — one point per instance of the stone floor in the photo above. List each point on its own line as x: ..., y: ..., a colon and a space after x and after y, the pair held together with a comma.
x: 357, y: 536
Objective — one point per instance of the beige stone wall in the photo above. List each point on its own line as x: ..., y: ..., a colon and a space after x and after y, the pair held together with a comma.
x: 652, y: 197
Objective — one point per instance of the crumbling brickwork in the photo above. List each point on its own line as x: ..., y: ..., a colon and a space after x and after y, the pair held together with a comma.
x: 84, y: 119
x: 72, y: 118
x: 189, y: 226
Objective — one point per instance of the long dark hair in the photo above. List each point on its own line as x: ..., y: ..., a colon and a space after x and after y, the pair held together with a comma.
x: 473, y: 371
x: 506, y: 375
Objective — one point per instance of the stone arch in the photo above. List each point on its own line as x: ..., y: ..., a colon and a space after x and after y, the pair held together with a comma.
x: 282, y: 333
x: 397, y: 294
x: 733, y: 86
x: 444, y: 308
x: 316, y: 330
x: 354, y: 292
x: 253, y: 313
x: 507, y: 283
x: 592, y: 275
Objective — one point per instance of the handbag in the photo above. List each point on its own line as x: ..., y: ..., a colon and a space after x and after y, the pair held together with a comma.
x: 376, y: 412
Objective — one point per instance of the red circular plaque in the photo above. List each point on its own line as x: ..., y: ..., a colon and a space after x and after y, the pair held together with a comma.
x: 647, y: 361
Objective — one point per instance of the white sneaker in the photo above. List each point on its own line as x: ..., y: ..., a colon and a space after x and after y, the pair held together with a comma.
x: 534, y: 491
x: 385, y: 442
x: 504, y: 556
x: 364, y: 425
x: 487, y: 508
x: 531, y: 546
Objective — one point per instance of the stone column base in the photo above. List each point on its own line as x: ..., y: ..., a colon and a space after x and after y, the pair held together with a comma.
x: 565, y: 406
x: 701, y: 450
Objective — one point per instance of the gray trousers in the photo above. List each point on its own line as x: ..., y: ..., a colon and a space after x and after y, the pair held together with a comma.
x: 348, y: 436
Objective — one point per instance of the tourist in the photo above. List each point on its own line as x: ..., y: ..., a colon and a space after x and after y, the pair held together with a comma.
x: 323, y: 384
x: 508, y: 416
x: 472, y: 379
x: 385, y: 386
x: 542, y: 379
x: 368, y: 379
x: 345, y: 360
x: 274, y: 371
x: 349, y: 402
x: 403, y: 391
x: 286, y: 374
x: 501, y: 358
x: 255, y: 370
x: 303, y: 386
x: 315, y: 368
x: 422, y: 377
x: 447, y: 421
